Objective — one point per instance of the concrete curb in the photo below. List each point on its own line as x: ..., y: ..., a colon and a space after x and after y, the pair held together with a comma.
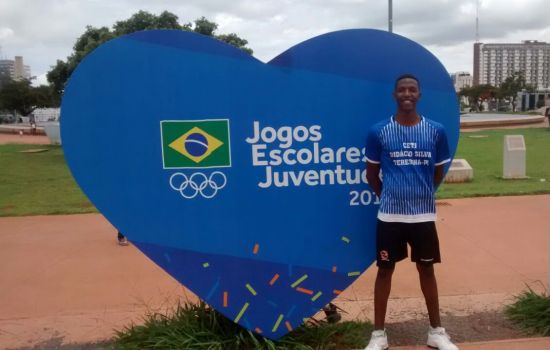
x: 542, y: 343
x: 500, y: 121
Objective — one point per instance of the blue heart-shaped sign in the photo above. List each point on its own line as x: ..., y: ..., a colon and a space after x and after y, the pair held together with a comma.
x: 245, y: 181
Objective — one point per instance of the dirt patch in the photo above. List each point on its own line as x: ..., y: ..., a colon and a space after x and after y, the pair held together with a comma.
x: 56, y: 343
x: 482, y: 326
x: 24, y: 139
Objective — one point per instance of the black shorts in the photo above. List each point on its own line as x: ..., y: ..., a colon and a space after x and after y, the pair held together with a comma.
x: 392, y: 239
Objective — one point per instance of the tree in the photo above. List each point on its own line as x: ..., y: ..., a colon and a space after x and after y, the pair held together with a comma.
x: 4, y: 77
x: 142, y: 20
x: 86, y: 43
x: 477, y: 94
x: 22, y: 97
x: 57, y: 77
x: 233, y: 39
x: 205, y: 27
x: 512, y: 85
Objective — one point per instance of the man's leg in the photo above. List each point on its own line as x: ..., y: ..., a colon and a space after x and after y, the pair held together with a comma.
x: 437, y: 335
x: 382, y: 288
x: 428, y: 284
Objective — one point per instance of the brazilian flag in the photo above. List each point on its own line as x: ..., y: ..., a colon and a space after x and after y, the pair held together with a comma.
x: 195, y: 143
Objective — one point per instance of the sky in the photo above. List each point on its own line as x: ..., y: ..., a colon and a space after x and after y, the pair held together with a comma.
x: 43, y: 31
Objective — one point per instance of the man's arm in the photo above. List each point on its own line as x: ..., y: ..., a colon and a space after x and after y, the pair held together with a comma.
x: 439, y: 173
x: 373, y: 170
x: 443, y: 156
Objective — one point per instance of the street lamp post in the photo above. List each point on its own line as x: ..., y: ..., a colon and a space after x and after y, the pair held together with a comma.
x: 390, y: 16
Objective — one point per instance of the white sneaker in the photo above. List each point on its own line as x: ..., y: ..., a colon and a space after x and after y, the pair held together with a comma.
x: 123, y: 241
x: 439, y: 339
x: 378, y: 341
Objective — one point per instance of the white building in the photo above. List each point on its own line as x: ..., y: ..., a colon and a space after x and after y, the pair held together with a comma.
x: 462, y: 80
x: 46, y: 114
x: 493, y: 63
x: 15, y: 69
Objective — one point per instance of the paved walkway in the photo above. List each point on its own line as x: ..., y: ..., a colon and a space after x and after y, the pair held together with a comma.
x: 24, y: 139
x: 65, y: 276
x: 517, y: 344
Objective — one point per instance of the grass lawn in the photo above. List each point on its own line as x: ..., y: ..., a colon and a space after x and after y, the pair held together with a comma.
x: 484, y: 151
x: 531, y: 311
x: 40, y: 183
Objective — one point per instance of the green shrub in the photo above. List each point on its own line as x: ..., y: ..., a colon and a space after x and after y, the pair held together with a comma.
x: 198, y: 326
x: 531, y: 311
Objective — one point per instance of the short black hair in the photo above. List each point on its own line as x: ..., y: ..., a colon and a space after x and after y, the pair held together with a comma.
x: 406, y: 76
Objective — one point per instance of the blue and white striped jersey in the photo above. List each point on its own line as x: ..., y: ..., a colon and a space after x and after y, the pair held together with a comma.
x: 407, y: 156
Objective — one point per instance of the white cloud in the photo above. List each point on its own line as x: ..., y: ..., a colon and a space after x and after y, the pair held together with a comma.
x: 40, y: 80
x: 5, y: 33
x: 43, y: 31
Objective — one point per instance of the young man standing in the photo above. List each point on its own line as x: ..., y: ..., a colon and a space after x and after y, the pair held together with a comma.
x: 410, y: 151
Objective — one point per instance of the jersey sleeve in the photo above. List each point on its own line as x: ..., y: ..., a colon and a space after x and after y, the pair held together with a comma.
x: 442, y: 148
x: 373, y: 147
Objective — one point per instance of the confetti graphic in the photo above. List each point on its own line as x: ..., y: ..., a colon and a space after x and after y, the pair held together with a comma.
x: 254, y: 297
x: 316, y: 296
x: 225, y: 299
x: 304, y: 290
x: 240, y: 314
x: 277, y: 323
x: 300, y: 280
x: 251, y: 290
x: 274, y: 279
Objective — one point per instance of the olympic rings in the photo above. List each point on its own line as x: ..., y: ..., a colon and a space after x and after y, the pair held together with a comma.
x: 198, y: 183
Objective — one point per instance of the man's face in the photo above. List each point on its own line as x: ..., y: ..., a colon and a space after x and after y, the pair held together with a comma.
x: 407, y: 93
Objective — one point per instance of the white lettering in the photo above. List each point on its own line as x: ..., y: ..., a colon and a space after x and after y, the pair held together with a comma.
x: 286, y: 155
x: 268, y: 134
x: 284, y: 135
x: 304, y: 156
x: 296, y: 179
x: 256, y: 133
x: 312, y: 178
x: 327, y: 155
x: 303, y: 130
x: 256, y: 155
x: 315, y: 131
x: 267, y: 182
x: 275, y: 156
x: 353, y: 154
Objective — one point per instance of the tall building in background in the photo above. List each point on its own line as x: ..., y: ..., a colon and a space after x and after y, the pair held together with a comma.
x: 15, y: 69
x: 462, y: 80
x: 493, y: 63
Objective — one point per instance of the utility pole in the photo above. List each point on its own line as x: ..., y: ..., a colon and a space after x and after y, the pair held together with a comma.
x: 477, y: 21
x: 390, y: 16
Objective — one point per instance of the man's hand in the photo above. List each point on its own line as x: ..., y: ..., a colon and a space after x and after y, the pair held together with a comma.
x: 373, y: 170
x: 439, y: 173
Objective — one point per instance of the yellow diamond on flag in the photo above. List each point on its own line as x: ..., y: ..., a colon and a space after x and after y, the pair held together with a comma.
x: 196, y: 144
